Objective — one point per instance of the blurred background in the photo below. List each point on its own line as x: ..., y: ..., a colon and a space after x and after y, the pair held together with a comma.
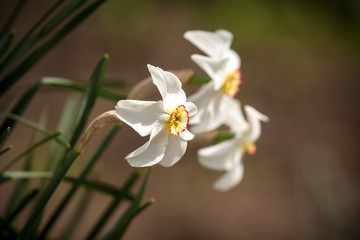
x: 300, y: 65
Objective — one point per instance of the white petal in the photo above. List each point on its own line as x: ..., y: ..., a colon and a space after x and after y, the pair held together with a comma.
x: 186, y: 135
x: 254, y: 117
x: 222, y: 156
x: 152, y: 151
x: 169, y: 87
x: 191, y: 108
x: 234, y: 60
x: 210, y: 117
x: 213, y: 44
x: 230, y: 179
x: 175, y: 149
x: 215, y: 67
x: 234, y: 117
x: 142, y: 116
x: 201, y: 99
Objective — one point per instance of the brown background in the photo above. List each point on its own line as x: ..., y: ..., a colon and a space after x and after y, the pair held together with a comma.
x: 300, y: 64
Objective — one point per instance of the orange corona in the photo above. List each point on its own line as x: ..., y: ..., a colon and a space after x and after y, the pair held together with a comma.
x: 232, y: 83
x: 178, y: 121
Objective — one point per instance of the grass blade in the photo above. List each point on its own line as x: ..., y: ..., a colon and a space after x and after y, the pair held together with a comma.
x: 65, y: 124
x: 5, y: 150
x: 13, y: 17
x: 16, y: 175
x: 64, y: 83
x: 22, y: 204
x: 31, y: 38
x: 112, y: 207
x: 5, y: 42
x: 29, y: 150
x: 199, y: 80
x: 37, y: 54
x: 88, y: 99
x: 120, y: 227
x: 34, y: 126
x: 222, y: 136
x: 4, y: 136
x: 78, y: 182
x: 80, y: 210
x: 86, y: 105
x: 20, y: 107
x: 100, y: 187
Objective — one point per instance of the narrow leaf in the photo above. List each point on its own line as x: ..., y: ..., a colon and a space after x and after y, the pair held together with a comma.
x: 5, y: 42
x: 71, y: 155
x: 199, y: 80
x: 33, y: 125
x: 112, y: 207
x: 37, y: 54
x: 20, y: 106
x: 78, y: 182
x: 4, y: 136
x: 32, y: 37
x: 16, y: 175
x: 9, y: 23
x: 88, y: 100
x: 222, y: 136
x: 101, y: 187
x: 120, y: 227
x: 64, y: 83
x: 5, y: 150
x: 22, y: 204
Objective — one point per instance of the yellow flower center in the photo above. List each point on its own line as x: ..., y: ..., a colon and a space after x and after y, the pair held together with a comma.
x: 232, y: 83
x: 250, y: 147
x: 178, y: 120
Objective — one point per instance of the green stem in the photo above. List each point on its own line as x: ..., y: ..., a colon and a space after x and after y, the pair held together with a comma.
x: 78, y: 182
x: 112, y: 207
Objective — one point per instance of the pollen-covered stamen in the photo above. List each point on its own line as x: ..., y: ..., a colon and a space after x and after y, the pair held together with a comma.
x: 179, y: 120
x: 250, y: 147
x: 232, y: 83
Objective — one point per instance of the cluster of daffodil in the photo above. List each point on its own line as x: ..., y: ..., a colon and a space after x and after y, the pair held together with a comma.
x: 214, y: 105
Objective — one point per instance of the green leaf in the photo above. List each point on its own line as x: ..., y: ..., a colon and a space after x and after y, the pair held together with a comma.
x: 78, y: 182
x: 65, y: 123
x: 20, y: 107
x: 81, y: 209
x: 22, y: 204
x: 5, y: 42
x: 34, y: 126
x: 71, y: 155
x: 31, y: 38
x: 199, y: 80
x: 4, y: 136
x: 100, y: 187
x: 122, y: 224
x: 64, y: 83
x: 29, y: 150
x: 37, y: 54
x: 16, y: 175
x: 88, y: 99
x: 222, y: 136
x: 5, y: 150
x: 9, y: 23
x: 115, y: 203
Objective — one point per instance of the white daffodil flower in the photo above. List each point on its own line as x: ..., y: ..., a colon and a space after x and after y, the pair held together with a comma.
x: 223, y: 66
x: 166, y: 121
x: 227, y: 155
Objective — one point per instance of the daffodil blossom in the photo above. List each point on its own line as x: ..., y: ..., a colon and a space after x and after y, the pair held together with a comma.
x: 227, y: 155
x: 166, y: 121
x: 223, y: 66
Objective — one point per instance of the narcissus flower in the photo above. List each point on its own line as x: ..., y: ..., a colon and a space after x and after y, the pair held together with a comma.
x: 166, y: 121
x: 227, y: 155
x: 223, y: 66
